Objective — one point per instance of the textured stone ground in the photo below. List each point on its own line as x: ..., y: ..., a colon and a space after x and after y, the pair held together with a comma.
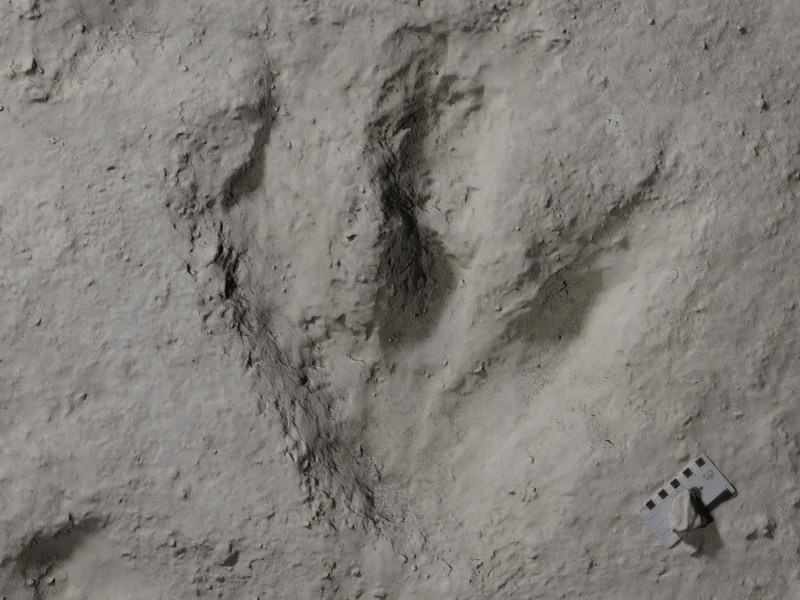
x: 395, y: 299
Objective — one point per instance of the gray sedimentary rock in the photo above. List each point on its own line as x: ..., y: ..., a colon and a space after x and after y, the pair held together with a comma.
x: 687, y: 513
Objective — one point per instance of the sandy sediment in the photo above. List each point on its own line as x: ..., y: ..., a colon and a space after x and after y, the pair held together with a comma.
x: 419, y: 299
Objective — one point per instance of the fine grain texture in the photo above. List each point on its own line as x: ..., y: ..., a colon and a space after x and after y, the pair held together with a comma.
x: 403, y: 299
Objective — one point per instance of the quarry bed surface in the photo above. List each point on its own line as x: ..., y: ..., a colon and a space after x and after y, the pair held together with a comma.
x: 396, y: 299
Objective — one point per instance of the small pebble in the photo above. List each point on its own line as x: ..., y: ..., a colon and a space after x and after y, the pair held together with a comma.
x: 37, y: 94
x: 184, y: 68
x: 687, y: 513
x: 651, y: 22
x: 741, y: 29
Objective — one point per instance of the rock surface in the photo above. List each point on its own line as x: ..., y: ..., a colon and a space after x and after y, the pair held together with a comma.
x: 410, y: 298
x: 687, y: 513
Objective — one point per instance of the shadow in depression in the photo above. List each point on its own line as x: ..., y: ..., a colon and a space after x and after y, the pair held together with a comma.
x: 559, y: 309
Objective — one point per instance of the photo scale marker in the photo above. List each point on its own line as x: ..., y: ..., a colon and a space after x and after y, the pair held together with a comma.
x: 700, y: 475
